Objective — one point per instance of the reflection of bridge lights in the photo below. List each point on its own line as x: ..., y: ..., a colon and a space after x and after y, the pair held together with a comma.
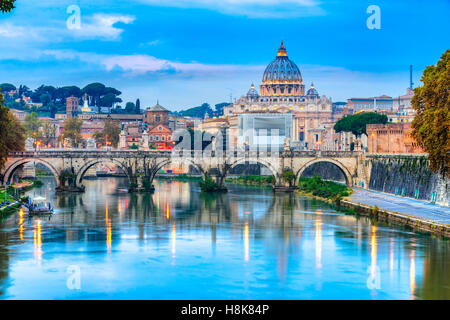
x: 412, y: 272
x: 373, y: 252
x: 318, y: 242
x: 167, y: 211
x: 108, y: 229
x: 37, y: 240
x: 21, y: 224
x: 246, y: 240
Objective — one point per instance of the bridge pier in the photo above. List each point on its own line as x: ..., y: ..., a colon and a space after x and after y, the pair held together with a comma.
x: 144, y: 184
x: 220, y: 181
x: 282, y: 186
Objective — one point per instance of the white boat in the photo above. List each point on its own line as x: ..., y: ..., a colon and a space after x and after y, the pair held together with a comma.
x: 39, y: 205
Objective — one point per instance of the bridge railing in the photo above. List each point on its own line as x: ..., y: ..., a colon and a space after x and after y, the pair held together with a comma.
x: 63, y: 153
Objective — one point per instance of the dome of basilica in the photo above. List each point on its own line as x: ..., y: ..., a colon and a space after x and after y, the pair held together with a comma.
x: 252, y: 92
x: 282, y: 69
x: 312, y: 91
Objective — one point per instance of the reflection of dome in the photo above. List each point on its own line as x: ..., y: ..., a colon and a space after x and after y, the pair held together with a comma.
x: 252, y: 93
x: 311, y: 91
x: 282, y: 69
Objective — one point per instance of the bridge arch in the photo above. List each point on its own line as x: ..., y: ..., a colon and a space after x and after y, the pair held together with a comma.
x: 343, y: 168
x: 11, y: 169
x: 259, y: 161
x: 165, y: 162
x: 87, y: 165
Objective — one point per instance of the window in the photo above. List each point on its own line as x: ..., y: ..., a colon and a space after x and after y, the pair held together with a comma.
x: 162, y: 138
x: 158, y: 118
x: 151, y: 138
x: 157, y: 138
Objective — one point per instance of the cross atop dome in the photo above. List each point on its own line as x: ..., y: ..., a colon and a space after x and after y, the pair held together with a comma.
x: 282, y: 51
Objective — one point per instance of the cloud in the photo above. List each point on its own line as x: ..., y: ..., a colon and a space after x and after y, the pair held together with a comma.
x: 138, y: 64
x: 149, y: 43
x: 101, y: 26
x: 98, y: 26
x: 249, y: 8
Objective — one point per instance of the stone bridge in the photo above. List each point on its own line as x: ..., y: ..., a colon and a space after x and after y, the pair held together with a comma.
x: 70, y: 166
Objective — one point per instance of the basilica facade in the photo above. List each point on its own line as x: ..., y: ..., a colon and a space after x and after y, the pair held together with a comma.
x: 282, y: 91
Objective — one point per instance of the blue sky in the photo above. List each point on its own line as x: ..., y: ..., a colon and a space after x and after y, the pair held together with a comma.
x: 186, y: 52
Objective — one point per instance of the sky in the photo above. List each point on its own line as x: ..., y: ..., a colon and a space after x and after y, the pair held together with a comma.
x: 187, y: 52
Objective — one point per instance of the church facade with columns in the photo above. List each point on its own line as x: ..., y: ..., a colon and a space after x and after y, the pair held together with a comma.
x: 282, y: 91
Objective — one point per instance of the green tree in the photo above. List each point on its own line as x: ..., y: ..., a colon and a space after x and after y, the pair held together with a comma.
x: 138, y: 106
x: 288, y: 176
x: 11, y: 133
x: 6, y: 87
x: 32, y: 124
x: 356, y: 123
x: 431, y: 124
x: 219, y: 107
x: 6, y: 5
x: 45, y: 99
x: 108, y: 100
x: 94, y: 91
x: 130, y: 107
x: 72, y: 131
x: 47, y: 132
x: 109, y: 135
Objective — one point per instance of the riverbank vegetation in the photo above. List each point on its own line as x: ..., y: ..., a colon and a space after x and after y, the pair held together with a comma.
x: 327, y: 190
x: 251, y: 180
x: 209, y: 185
x: 179, y: 177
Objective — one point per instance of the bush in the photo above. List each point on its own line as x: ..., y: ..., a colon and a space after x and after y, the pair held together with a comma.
x: 209, y: 185
x: 288, y: 176
x: 323, y: 189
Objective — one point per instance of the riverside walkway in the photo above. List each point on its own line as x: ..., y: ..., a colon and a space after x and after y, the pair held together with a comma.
x: 407, y: 206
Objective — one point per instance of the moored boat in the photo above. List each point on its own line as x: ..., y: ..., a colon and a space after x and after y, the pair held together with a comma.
x: 39, y: 205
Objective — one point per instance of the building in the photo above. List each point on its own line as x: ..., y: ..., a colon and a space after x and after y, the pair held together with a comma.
x: 122, y: 117
x: 71, y: 107
x: 375, y: 104
x: 161, y: 137
x: 157, y: 115
x: 19, y: 114
x: 391, y: 138
x: 282, y: 91
x: 402, y: 104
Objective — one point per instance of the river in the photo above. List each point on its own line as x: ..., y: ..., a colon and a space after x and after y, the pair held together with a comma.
x: 178, y: 243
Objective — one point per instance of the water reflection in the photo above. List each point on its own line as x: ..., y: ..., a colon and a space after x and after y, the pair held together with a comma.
x: 37, y: 240
x: 300, y: 248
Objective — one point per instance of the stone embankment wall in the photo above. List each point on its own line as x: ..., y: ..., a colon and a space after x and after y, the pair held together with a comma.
x: 408, y: 176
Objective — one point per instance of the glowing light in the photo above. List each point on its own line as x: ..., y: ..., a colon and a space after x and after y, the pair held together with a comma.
x: 37, y: 240
x: 373, y: 252
x: 21, y: 224
x: 108, y: 229
x: 412, y: 273
x: 318, y: 242
x: 246, y: 241
x: 167, y: 211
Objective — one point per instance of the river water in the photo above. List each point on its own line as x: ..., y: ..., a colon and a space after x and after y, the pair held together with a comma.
x: 180, y: 244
